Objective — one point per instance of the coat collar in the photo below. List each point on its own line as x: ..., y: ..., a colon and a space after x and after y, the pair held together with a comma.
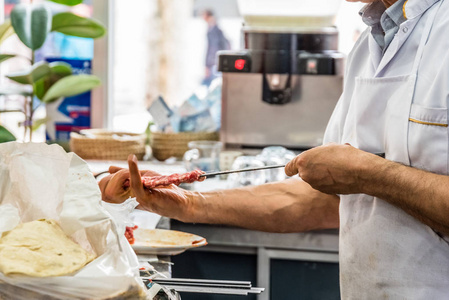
x: 415, y: 8
x: 411, y: 8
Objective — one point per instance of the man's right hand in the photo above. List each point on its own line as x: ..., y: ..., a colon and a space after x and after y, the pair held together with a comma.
x: 170, y: 201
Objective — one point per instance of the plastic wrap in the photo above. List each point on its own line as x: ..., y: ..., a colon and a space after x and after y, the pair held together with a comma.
x: 41, y: 181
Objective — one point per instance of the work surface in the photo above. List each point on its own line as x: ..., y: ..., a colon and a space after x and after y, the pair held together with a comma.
x: 216, y: 235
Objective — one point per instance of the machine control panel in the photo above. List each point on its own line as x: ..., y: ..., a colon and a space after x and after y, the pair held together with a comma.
x: 281, y: 62
x: 319, y: 63
x: 234, y: 62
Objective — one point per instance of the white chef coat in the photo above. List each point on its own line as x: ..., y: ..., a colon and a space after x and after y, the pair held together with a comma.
x: 396, y: 103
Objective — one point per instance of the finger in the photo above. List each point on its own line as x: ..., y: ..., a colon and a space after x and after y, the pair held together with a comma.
x: 113, y: 187
x: 103, y: 184
x: 291, y: 168
x: 135, y: 178
x: 114, y: 169
x: 120, y: 177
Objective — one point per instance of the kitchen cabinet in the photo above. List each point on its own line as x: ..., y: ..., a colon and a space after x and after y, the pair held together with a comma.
x: 217, y: 266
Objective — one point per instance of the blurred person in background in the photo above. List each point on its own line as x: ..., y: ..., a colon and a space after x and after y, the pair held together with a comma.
x: 216, y: 41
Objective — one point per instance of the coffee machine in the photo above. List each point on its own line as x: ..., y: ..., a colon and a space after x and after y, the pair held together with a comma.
x: 281, y: 88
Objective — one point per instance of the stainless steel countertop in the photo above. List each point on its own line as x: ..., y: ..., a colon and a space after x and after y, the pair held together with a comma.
x: 216, y: 235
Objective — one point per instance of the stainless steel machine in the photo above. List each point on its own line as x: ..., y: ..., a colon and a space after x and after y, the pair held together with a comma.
x: 281, y: 88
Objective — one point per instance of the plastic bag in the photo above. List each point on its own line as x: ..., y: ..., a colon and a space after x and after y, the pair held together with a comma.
x: 41, y: 181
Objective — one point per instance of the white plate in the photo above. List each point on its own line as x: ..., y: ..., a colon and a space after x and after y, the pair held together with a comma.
x: 164, y: 242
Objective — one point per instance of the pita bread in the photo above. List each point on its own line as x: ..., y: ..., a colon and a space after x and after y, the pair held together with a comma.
x: 161, y: 238
x: 41, y: 249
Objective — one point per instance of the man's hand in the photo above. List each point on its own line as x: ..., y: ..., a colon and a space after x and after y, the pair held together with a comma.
x: 113, y: 188
x: 332, y: 168
x: 170, y: 201
x: 343, y: 169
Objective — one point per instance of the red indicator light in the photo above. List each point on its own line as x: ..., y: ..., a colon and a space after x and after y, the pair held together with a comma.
x: 239, y: 64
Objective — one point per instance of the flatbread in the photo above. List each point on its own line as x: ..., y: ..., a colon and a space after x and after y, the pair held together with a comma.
x: 161, y: 238
x: 40, y: 249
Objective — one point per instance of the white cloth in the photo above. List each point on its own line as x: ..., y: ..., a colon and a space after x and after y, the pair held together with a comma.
x: 396, y: 104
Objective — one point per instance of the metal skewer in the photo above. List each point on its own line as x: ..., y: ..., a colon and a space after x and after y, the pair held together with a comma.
x: 241, y: 170
x: 256, y: 169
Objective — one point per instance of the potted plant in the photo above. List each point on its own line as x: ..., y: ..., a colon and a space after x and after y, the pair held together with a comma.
x: 32, y: 22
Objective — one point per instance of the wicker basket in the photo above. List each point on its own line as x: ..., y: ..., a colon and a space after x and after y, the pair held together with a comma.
x: 165, y: 145
x: 107, y: 145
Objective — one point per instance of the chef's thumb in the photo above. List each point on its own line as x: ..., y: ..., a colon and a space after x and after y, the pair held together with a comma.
x: 290, y: 168
x: 136, y: 180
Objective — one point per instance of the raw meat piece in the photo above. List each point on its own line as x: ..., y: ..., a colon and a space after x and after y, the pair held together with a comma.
x: 129, y: 234
x: 177, y: 179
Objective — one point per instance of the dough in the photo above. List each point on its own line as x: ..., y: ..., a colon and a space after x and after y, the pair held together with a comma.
x: 41, y: 249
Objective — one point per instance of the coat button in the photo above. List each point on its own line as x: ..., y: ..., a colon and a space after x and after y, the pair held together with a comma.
x: 405, y: 29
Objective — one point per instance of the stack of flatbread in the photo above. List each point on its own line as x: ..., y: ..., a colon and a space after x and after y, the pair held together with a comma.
x: 40, y: 249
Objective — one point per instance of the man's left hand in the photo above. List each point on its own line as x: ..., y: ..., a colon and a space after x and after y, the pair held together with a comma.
x: 332, y: 168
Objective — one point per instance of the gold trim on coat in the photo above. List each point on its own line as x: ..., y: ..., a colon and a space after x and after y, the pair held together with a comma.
x: 427, y: 123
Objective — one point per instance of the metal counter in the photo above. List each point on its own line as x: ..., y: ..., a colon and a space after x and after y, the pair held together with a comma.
x: 314, y: 247
x: 224, y: 236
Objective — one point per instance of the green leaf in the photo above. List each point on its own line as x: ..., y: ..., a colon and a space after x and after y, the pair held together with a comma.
x: 72, y: 24
x: 38, y: 123
x: 4, y: 57
x: 40, y: 88
x: 68, y: 2
x: 70, y: 86
x: 6, y: 31
x: 32, y: 23
x: 34, y: 73
x: 58, y: 70
x: 5, y: 135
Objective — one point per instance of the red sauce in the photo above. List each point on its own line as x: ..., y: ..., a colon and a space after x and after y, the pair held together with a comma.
x: 129, y: 234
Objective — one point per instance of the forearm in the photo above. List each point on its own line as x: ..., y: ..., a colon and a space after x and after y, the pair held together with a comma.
x: 287, y: 206
x: 422, y: 194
